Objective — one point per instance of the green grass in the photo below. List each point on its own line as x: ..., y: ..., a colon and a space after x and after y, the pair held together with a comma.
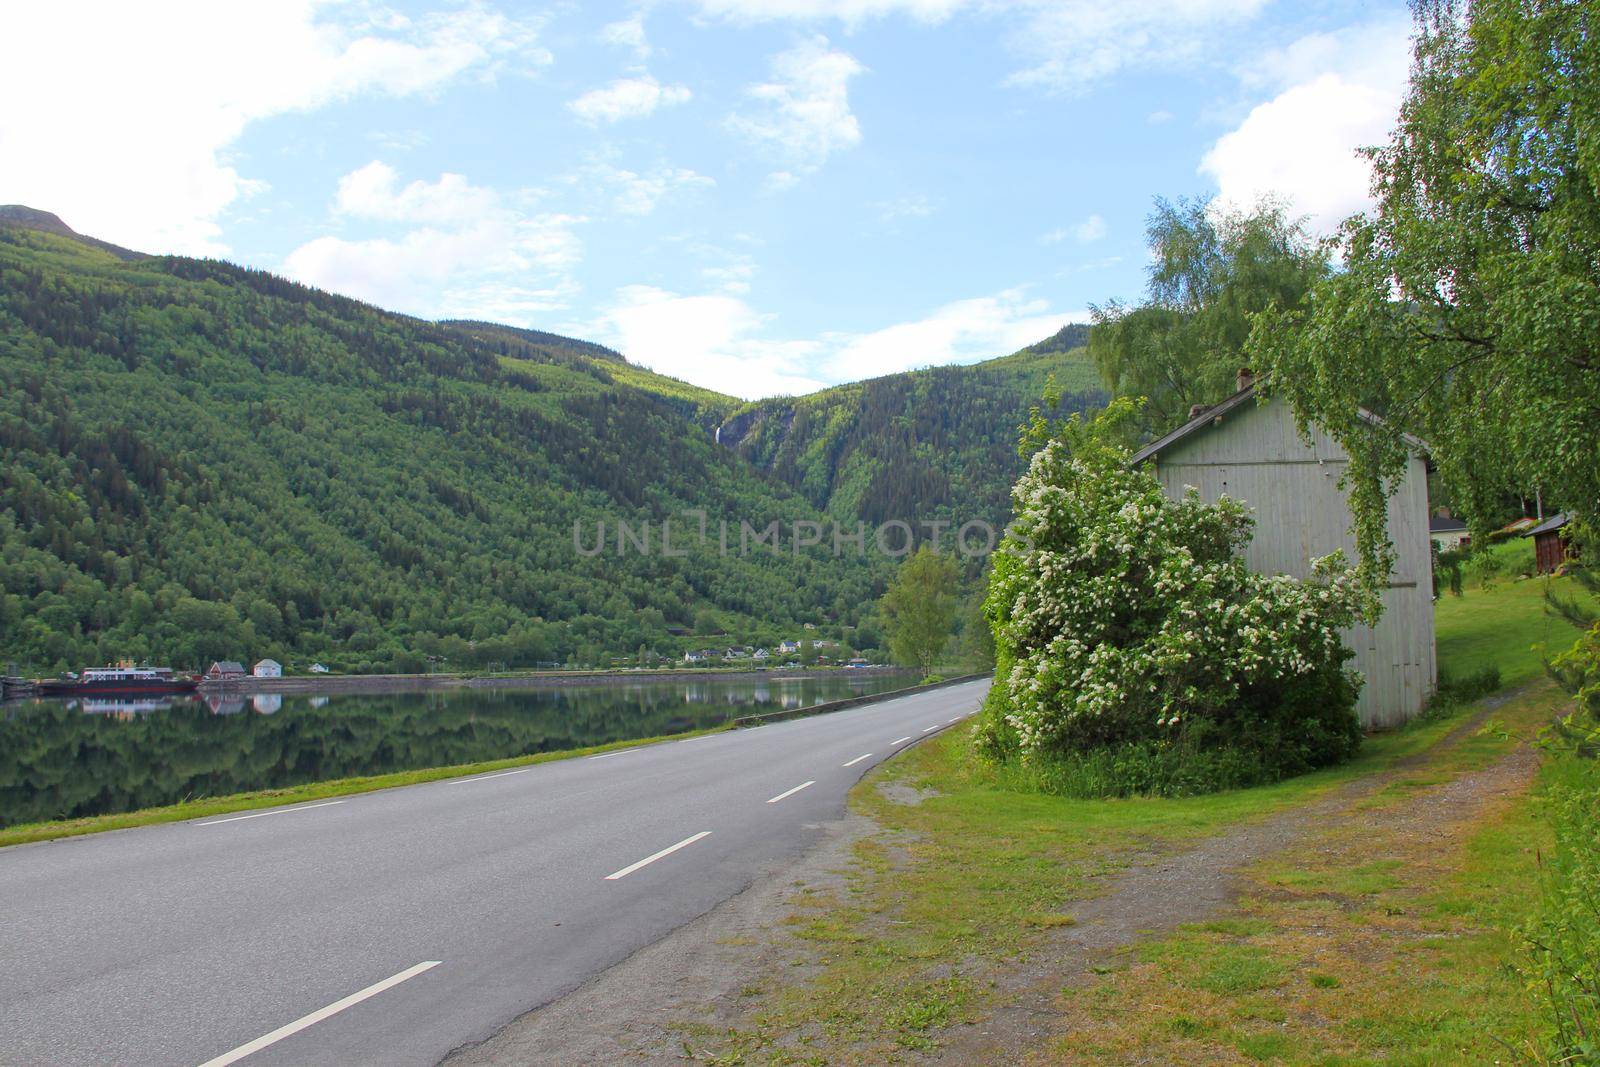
x: 1498, y: 621
x: 1365, y: 942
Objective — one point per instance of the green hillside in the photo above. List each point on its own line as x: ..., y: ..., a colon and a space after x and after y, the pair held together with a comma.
x: 206, y: 461
x: 517, y: 347
x: 938, y: 443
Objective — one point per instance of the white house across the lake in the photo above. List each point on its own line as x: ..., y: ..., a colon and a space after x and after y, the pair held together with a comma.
x: 267, y: 668
x: 1248, y: 448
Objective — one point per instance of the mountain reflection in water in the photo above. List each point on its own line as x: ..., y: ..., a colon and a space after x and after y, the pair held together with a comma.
x: 69, y: 758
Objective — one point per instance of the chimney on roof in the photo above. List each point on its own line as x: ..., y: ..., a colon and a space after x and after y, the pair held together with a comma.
x: 1245, y: 379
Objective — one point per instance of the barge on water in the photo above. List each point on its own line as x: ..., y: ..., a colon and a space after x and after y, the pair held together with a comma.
x: 119, y: 681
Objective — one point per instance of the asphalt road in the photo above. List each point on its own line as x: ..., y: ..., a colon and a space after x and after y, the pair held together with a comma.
x: 391, y: 927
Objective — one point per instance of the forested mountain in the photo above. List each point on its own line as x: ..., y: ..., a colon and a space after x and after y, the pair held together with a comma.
x: 939, y: 443
x: 204, y: 461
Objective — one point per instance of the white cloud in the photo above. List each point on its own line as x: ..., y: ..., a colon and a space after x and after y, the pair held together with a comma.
x: 133, y: 147
x: 1158, y: 118
x: 849, y: 12
x: 638, y: 194
x: 469, y: 253
x: 1334, y: 93
x: 710, y: 340
x: 803, y: 113
x: 733, y: 278
x: 1089, y: 230
x: 627, y: 98
x: 720, y: 341
x: 1072, y: 44
x: 373, y: 193
x: 1067, y: 45
x: 628, y: 33
x: 959, y: 332
x: 910, y: 206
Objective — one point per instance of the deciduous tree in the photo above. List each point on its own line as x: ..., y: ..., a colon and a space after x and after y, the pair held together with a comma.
x: 919, y: 609
x: 1468, y: 309
x: 1212, y: 270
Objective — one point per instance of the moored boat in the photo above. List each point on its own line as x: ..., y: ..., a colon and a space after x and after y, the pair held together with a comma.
x: 119, y: 681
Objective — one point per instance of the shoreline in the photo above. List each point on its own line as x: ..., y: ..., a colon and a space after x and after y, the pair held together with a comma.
x: 39, y: 833
x: 318, y: 685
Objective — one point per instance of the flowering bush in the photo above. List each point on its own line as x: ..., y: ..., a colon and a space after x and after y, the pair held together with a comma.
x: 1123, y: 618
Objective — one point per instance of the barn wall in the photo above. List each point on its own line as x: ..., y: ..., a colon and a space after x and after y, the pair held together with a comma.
x: 1256, y: 456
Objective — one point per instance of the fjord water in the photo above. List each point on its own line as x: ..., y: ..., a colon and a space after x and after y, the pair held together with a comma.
x: 69, y: 758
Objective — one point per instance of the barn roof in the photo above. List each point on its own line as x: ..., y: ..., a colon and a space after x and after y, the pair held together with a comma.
x: 1554, y: 522
x: 1211, y: 414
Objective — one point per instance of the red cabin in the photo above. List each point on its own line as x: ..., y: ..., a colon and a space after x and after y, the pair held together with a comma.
x: 1549, y: 545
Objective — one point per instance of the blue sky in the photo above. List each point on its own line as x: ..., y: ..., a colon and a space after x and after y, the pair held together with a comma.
x: 760, y: 196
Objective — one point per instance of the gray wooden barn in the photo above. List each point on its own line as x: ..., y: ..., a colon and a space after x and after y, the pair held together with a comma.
x: 1248, y: 448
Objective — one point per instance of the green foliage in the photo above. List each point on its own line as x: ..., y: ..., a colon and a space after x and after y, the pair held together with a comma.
x: 206, y: 461
x: 1141, y: 768
x: 1468, y: 312
x: 1448, y: 565
x: 1564, y: 940
x: 1211, y: 272
x: 919, y: 609
x: 1577, y: 670
x: 1132, y: 640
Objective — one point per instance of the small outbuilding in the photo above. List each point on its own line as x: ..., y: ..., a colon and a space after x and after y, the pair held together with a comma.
x: 319, y: 668
x: 1248, y: 448
x: 267, y: 668
x: 1448, y: 532
x: 225, y: 670
x: 1549, y: 544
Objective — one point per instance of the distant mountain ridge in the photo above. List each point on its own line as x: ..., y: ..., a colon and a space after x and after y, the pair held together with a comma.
x: 46, y: 222
x: 551, y: 342
x: 204, y: 461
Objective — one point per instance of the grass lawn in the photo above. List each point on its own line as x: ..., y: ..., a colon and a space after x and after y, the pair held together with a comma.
x: 1389, y: 936
x: 1499, y: 619
x: 1363, y: 941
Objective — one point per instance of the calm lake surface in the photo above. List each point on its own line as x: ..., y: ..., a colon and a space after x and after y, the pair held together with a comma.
x: 67, y: 758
